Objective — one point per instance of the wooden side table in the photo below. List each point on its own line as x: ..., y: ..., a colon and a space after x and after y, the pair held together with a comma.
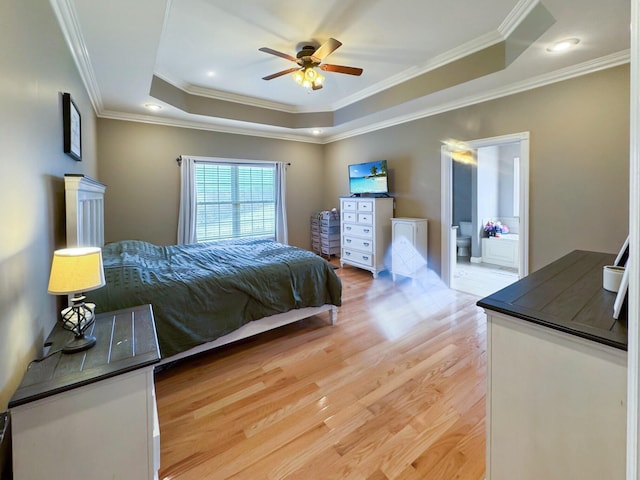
x: 91, y: 414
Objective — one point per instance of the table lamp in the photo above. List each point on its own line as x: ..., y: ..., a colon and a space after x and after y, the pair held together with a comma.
x: 73, y: 272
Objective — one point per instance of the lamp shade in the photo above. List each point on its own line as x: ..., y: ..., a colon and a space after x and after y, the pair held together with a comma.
x: 76, y: 270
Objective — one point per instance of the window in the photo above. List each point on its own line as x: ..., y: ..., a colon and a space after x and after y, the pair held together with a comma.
x: 235, y: 200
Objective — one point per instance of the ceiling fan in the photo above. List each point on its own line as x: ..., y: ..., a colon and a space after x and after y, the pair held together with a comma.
x: 308, y: 58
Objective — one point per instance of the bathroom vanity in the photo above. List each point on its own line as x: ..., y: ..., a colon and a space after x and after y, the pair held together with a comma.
x: 556, y: 375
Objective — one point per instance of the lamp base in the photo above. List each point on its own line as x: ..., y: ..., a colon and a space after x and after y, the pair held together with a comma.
x: 78, y: 344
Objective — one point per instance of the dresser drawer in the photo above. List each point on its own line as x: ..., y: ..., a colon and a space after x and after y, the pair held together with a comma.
x: 349, y: 217
x: 365, y: 218
x: 366, y: 206
x: 357, y: 257
x: 357, y: 243
x: 348, y: 205
x: 357, y: 230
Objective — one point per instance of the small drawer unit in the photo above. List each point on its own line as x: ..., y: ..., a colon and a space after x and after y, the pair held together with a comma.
x: 325, y: 233
x: 365, y: 232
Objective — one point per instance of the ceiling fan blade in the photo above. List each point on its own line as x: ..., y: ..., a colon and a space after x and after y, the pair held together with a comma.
x: 278, y: 54
x: 326, y: 49
x: 327, y: 67
x: 279, y: 74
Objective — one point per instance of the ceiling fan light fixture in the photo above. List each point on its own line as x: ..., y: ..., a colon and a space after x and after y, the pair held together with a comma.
x: 298, y: 76
x: 308, y: 59
x: 309, y: 77
x: 310, y: 74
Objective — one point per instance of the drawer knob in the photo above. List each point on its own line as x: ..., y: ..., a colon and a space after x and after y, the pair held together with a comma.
x: 366, y: 230
x: 366, y: 244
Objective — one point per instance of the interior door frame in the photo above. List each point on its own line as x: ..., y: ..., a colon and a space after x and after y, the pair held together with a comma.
x: 446, y: 206
x: 633, y: 361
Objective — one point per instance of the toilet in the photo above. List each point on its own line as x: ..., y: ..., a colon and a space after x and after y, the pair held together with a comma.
x: 463, y: 241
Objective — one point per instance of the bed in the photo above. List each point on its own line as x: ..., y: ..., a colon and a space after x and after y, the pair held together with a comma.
x: 203, y: 295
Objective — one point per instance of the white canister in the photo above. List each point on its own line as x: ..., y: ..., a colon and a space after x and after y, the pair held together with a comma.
x: 611, y: 277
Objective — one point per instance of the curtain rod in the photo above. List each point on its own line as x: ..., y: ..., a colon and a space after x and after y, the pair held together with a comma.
x: 179, y: 160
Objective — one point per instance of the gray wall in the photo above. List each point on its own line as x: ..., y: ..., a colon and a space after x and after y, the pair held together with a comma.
x: 579, y: 161
x: 36, y: 68
x: 137, y: 163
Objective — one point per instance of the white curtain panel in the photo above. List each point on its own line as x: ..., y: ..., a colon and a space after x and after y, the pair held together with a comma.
x: 282, y: 235
x: 187, y: 215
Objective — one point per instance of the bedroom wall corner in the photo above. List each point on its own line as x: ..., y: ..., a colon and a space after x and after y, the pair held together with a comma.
x: 37, y: 68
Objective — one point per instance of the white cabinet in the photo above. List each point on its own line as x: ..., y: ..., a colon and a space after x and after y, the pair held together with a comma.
x: 365, y: 232
x: 408, y: 246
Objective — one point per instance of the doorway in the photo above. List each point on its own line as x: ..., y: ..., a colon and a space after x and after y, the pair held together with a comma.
x: 485, y: 190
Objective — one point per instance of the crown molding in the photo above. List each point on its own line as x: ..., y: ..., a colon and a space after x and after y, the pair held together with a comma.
x: 241, y: 99
x: 67, y: 18
x: 516, y: 16
x: 567, y: 73
x: 173, y: 122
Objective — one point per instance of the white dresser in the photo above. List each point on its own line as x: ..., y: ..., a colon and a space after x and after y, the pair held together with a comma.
x: 365, y: 233
x: 556, y: 375
x: 408, y: 246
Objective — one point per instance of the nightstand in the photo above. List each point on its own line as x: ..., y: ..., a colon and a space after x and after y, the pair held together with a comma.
x: 91, y: 414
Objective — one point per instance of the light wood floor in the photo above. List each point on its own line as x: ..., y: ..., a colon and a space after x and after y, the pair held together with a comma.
x: 396, y: 390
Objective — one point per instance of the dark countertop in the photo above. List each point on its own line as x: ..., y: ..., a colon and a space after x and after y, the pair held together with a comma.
x: 566, y: 295
x: 126, y: 341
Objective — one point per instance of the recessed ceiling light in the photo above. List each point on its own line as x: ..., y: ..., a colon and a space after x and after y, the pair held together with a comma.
x: 316, y: 131
x: 211, y: 73
x: 563, y: 45
x: 153, y: 106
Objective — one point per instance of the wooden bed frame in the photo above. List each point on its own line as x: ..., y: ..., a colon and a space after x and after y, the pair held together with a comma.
x: 84, y: 199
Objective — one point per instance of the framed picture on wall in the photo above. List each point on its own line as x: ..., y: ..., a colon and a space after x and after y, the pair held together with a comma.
x: 71, y: 127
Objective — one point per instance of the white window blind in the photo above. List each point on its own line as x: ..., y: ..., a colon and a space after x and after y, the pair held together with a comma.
x: 235, y: 200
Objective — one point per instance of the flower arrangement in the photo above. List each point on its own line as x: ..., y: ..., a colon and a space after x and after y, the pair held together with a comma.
x: 495, y: 229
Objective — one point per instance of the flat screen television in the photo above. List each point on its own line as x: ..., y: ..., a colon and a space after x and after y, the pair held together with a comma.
x: 370, y: 177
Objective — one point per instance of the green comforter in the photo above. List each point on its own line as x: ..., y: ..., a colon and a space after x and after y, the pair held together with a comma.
x: 203, y: 291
